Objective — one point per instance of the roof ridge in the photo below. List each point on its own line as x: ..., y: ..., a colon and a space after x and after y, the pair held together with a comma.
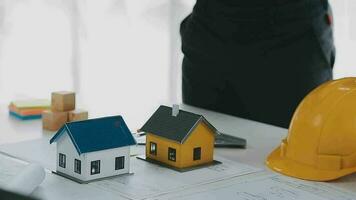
x: 178, y: 128
x: 192, y: 129
x: 180, y: 110
x: 88, y: 137
x: 94, y: 119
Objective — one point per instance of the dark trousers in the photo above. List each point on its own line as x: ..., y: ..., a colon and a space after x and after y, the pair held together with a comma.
x: 256, y: 62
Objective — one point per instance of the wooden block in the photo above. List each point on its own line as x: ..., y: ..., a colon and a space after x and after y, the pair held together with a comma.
x: 63, y: 101
x: 53, y: 121
x: 77, y: 115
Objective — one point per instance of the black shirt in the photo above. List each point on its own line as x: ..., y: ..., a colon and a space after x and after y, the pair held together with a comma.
x: 254, y: 2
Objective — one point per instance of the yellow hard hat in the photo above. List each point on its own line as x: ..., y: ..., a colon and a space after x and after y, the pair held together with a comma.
x: 321, y: 142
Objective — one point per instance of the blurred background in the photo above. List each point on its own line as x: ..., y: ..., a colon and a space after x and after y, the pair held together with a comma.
x: 120, y: 56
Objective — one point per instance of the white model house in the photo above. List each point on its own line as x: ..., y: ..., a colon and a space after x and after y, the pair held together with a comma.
x: 93, y: 149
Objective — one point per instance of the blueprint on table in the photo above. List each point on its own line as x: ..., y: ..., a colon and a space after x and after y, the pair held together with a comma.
x: 264, y: 186
x: 148, y: 179
x: 151, y: 180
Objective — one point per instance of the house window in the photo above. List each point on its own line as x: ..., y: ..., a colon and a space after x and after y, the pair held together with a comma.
x: 62, y: 160
x: 77, y: 166
x: 153, y: 148
x: 171, y: 154
x: 95, y: 167
x: 119, y: 162
x: 197, y: 153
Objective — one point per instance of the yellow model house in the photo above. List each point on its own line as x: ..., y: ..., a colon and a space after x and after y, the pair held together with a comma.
x: 179, y: 139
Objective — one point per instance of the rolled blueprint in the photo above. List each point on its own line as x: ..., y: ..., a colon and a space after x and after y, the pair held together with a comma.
x: 28, y: 180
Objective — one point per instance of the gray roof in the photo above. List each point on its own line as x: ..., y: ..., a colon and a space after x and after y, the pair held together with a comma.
x: 176, y: 128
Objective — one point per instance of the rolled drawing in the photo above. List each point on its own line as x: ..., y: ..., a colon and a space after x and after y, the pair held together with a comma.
x: 28, y: 180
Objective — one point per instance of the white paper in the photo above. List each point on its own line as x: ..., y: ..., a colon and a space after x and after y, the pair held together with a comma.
x: 55, y: 187
x: 148, y: 179
x: 27, y: 180
x: 151, y: 180
x: 9, y: 168
x: 33, y: 151
x: 263, y: 186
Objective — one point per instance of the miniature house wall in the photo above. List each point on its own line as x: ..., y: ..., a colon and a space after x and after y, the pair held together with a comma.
x: 179, y: 138
x: 93, y: 149
x: 202, y: 137
x: 106, y: 157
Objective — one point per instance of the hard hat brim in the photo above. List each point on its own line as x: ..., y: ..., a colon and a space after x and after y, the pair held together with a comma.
x: 295, y: 169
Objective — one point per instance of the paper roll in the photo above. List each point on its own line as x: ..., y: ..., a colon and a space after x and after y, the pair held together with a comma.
x: 27, y: 180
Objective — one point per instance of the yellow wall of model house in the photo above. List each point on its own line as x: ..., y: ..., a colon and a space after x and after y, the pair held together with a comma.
x: 201, y: 137
x: 162, y: 149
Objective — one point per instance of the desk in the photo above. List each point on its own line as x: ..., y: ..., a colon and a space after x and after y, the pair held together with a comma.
x: 261, y: 140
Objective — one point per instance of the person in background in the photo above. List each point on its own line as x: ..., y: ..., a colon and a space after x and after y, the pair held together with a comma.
x: 256, y: 59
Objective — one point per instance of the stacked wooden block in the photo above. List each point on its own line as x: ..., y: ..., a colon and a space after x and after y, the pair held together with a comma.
x: 62, y: 111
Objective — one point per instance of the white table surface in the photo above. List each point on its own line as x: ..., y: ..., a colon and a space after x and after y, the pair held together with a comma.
x: 261, y: 138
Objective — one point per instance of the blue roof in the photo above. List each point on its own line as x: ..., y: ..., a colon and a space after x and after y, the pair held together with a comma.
x: 97, y: 134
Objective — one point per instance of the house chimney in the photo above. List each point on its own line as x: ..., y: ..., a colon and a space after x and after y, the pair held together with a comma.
x: 175, y: 110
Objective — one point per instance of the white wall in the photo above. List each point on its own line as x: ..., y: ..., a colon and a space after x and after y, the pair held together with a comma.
x: 345, y: 37
x: 107, y: 162
x: 106, y: 157
x: 65, y: 146
x: 111, y: 52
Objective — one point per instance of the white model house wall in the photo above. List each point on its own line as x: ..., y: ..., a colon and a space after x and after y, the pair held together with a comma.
x: 107, y: 162
x: 106, y: 157
x: 66, y: 147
